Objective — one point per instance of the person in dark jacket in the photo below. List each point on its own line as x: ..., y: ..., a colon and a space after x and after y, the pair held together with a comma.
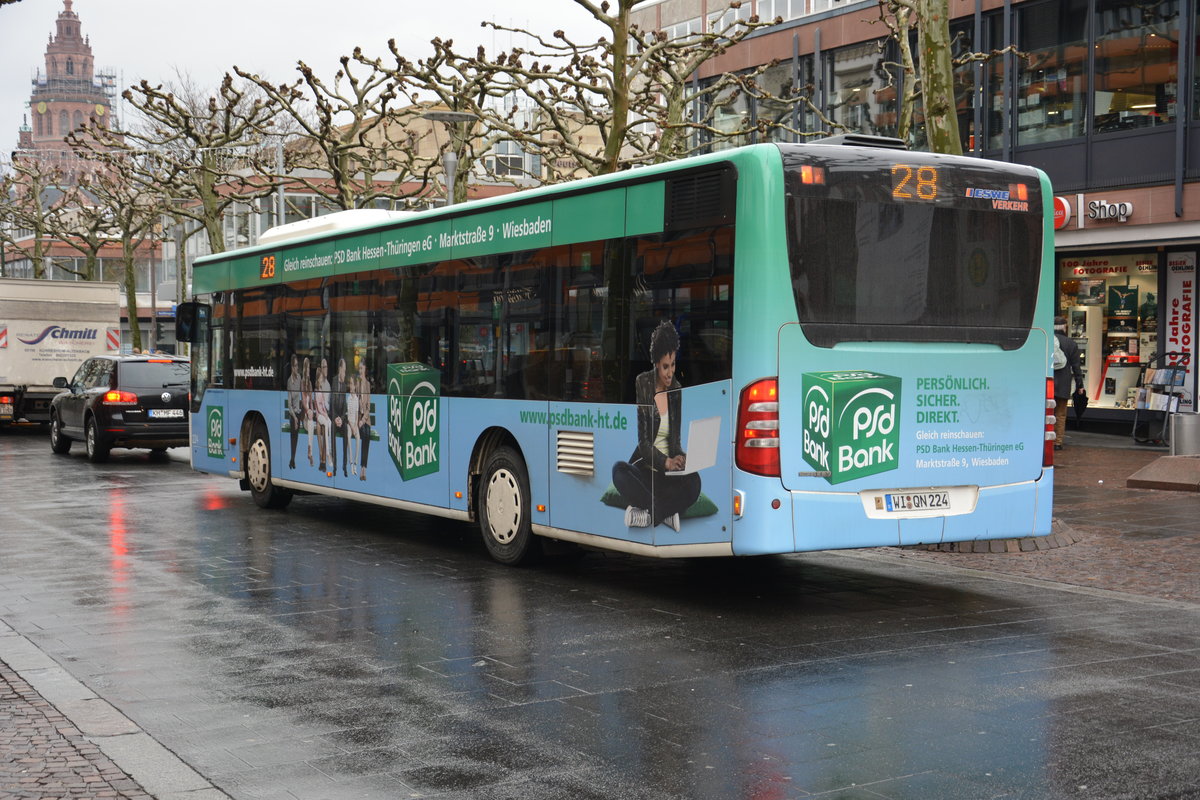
x: 654, y: 496
x: 1062, y: 381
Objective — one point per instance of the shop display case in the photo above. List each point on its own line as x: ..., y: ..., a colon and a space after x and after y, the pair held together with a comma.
x: 1085, y: 326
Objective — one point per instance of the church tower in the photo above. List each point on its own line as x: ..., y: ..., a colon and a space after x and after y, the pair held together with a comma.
x: 70, y: 93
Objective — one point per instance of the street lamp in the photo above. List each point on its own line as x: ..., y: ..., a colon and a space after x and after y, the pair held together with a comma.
x: 450, y: 157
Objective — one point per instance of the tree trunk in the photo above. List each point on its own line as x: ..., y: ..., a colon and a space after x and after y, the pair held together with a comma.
x: 908, y: 77
x: 937, y: 76
x: 622, y: 84
x: 131, y: 307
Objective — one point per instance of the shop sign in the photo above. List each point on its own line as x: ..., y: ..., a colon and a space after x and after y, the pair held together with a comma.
x: 1062, y: 213
x: 1101, y: 266
x: 1104, y: 210
x: 1181, y: 317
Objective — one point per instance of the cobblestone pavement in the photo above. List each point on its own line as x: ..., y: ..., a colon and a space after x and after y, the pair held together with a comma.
x: 1139, y: 541
x: 43, y: 754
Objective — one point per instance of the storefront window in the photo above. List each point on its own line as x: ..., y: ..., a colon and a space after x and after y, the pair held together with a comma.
x: 731, y: 113
x: 775, y: 109
x: 1111, y: 305
x: 962, y: 42
x: 863, y: 96
x: 1137, y: 52
x: 1051, y: 87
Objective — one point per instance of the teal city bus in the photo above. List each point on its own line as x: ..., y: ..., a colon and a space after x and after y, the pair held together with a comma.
x: 771, y: 349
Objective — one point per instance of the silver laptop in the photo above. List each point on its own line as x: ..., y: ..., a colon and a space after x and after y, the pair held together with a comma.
x: 703, y: 437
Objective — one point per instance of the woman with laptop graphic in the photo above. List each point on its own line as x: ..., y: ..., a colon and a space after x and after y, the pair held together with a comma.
x: 656, y: 481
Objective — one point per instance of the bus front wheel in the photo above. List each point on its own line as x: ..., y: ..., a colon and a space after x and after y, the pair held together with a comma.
x: 257, y: 463
x: 504, y: 517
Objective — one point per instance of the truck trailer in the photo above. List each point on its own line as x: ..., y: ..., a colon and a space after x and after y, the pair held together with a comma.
x: 47, y: 329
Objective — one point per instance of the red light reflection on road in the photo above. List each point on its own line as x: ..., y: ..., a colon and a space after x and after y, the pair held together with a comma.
x: 118, y: 562
x: 213, y: 501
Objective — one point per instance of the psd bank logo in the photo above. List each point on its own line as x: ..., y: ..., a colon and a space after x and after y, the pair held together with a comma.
x: 216, y: 432
x: 414, y: 394
x: 851, y: 423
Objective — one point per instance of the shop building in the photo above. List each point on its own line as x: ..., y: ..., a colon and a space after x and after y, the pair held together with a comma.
x: 1102, y: 95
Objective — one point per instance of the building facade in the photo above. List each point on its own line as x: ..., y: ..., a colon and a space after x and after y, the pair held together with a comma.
x: 68, y: 93
x: 1100, y: 94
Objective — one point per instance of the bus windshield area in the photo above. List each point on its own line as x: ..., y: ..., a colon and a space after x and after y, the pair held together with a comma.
x: 871, y: 260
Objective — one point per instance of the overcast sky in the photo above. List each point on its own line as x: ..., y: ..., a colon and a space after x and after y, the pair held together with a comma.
x: 153, y: 39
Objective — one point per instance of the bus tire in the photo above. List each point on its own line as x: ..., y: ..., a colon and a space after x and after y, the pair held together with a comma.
x: 93, y: 439
x: 59, y: 442
x: 504, y: 509
x: 257, y: 463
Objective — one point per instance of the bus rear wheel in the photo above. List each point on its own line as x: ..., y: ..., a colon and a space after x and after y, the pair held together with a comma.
x: 257, y: 463
x: 504, y: 509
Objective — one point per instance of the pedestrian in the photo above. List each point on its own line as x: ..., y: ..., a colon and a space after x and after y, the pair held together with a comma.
x: 1067, y: 368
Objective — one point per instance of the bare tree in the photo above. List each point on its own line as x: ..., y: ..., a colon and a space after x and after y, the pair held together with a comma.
x: 445, y: 81
x: 350, y: 149
x: 639, y: 89
x: 207, y: 148
x: 928, y: 75
x: 35, y: 194
x: 589, y: 107
x: 133, y: 217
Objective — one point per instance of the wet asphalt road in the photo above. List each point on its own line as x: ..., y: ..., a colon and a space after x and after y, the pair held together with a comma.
x: 337, y: 650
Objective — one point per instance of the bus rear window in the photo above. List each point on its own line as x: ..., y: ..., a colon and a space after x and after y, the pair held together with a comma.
x: 913, y: 252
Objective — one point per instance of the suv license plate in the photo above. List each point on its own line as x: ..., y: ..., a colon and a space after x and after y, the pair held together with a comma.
x: 6, y: 409
x: 917, y: 501
x: 166, y: 413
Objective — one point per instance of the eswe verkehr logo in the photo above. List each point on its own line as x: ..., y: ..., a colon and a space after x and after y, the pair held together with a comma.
x: 851, y: 423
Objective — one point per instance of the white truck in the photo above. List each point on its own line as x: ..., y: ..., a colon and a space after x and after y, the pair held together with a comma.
x: 47, y: 329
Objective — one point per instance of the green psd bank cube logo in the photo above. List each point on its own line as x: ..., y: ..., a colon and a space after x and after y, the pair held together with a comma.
x: 413, y: 400
x: 216, y: 432
x: 851, y: 423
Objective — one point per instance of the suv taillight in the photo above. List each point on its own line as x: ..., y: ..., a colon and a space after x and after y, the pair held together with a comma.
x: 116, y: 397
x: 1048, y: 446
x: 757, y: 449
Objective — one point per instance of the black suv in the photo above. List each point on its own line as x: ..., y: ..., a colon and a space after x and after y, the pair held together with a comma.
x: 122, y: 401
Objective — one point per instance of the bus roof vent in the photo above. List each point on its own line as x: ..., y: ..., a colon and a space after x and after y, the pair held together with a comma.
x: 330, y: 223
x: 863, y: 140
x: 701, y: 199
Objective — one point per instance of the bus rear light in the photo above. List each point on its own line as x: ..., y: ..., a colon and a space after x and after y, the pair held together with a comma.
x: 116, y: 397
x: 812, y: 175
x: 757, y: 447
x: 1048, y: 445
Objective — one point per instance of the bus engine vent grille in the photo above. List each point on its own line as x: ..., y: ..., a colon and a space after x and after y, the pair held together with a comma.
x: 576, y: 453
x: 702, y: 199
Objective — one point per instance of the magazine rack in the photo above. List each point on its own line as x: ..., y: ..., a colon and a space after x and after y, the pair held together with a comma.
x: 1160, y: 387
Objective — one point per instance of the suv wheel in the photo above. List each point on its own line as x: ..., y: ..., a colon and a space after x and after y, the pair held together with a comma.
x: 59, y: 442
x: 97, y: 448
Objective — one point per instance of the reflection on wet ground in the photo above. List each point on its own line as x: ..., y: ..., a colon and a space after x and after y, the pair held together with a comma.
x: 339, y: 650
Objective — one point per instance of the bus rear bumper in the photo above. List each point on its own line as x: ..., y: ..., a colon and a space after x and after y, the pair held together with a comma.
x: 837, y: 520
